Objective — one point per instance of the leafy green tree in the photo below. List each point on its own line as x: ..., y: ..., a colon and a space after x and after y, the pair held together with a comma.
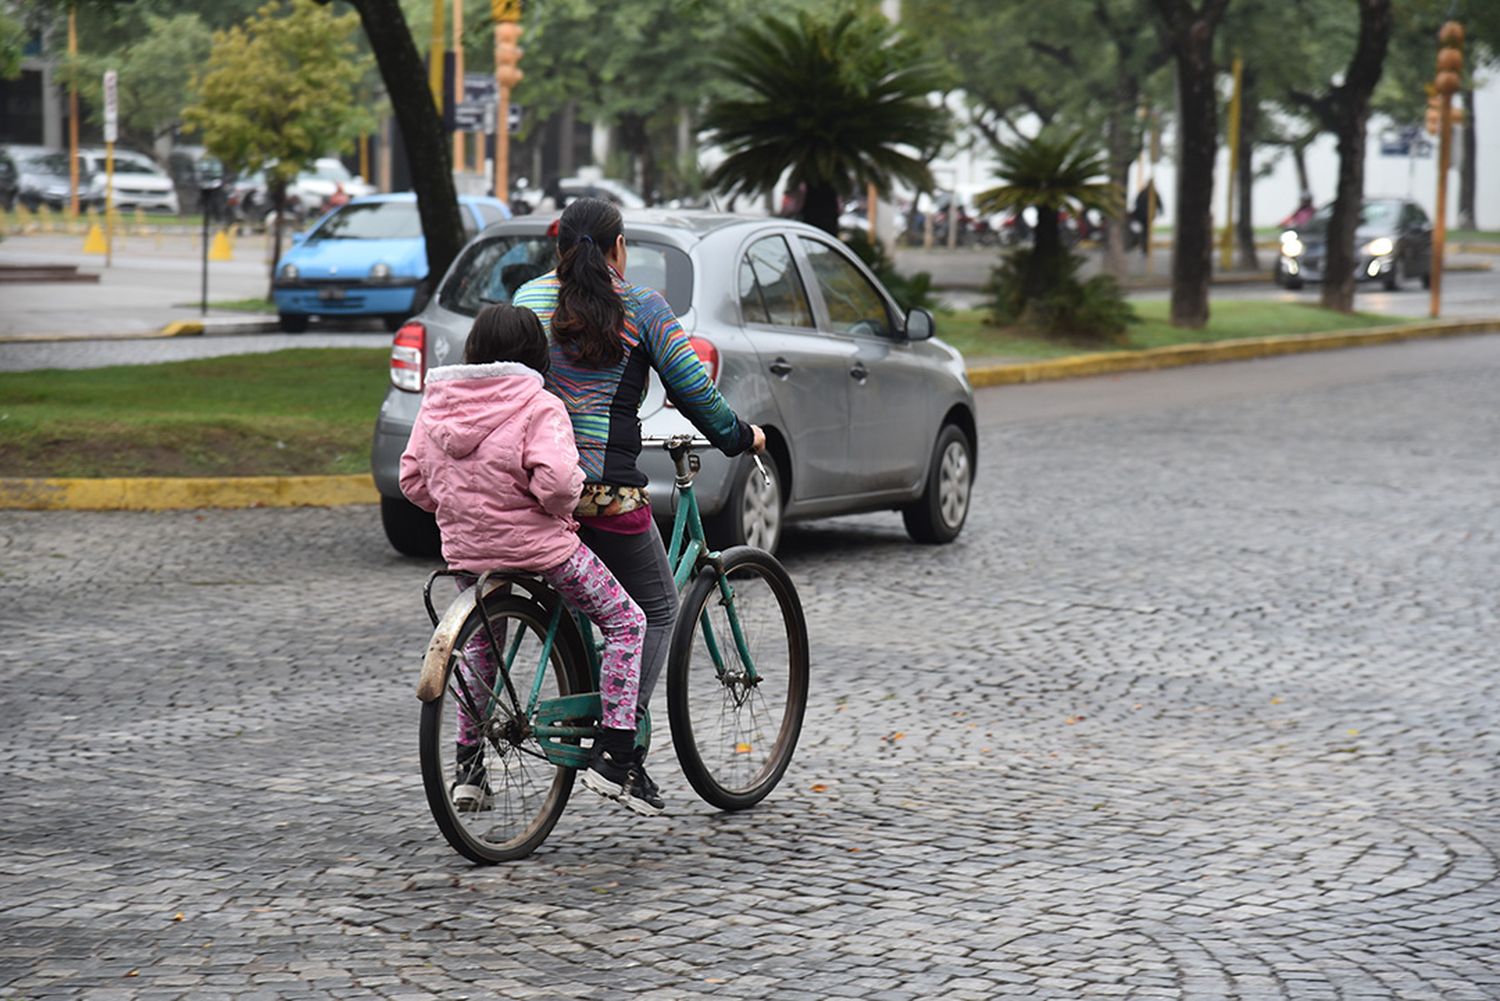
x: 837, y: 100
x: 12, y: 41
x: 1053, y: 173
x: 156, y: 77
x: 277, y: 93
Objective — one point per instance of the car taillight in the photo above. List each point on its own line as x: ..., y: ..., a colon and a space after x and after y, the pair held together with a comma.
x: 409, y: 357
x: 708, y: 355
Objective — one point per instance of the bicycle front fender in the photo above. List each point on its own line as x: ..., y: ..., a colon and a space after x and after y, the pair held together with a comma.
x: 440, y: 647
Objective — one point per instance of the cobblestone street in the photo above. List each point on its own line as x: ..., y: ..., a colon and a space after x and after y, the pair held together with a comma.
x: 1202, y: 704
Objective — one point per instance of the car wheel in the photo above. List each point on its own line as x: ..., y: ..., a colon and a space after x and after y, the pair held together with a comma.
x: 1394, y: 277
x: 753, y: 514
x: 292, y: 323
x: 1293, y: 284
x: 938, y: 515
x: 393, y: 321
x: 411, y: 531
x: 1427, y: 280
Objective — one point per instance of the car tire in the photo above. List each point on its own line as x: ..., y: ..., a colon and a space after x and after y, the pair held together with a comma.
x: 410, y: 530
x: 939, y: 514
x: 1427, y: 280
x: 1293, y: 284
x: 393, y: 321
x: 1394, y: 277
x: 754, y: 513
x: 292, y: 323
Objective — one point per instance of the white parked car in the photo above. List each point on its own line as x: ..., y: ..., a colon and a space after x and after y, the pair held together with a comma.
x: 313, y: 187
x: 138, y: 181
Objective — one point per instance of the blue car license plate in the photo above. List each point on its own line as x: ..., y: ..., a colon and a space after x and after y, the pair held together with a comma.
x: 330, y: 293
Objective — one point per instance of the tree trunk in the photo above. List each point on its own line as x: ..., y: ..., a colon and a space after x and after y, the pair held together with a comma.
x: 427, y: 151
x: 636, y: 136
x: 821, y: 208
x: 278, y: 212
x: 1299, y: 157
x: 1122, y: 153
x: 1352, y: 100
x: 1245, y: 170
x: 1044, y: 265
x: 1467, y: 177
x: 1198, y: 141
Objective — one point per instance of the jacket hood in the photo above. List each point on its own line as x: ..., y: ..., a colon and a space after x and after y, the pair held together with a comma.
x: 464, y: 404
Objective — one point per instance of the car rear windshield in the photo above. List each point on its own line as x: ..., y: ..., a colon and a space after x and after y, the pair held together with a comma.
x: 491, y: 270
x: 371, y: 221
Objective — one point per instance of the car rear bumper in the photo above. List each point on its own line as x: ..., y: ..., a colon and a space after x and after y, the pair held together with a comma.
x: 162, y: 201
x: 344, y: 299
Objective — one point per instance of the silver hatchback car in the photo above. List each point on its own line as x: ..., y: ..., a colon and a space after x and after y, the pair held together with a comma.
x: 863, y: 410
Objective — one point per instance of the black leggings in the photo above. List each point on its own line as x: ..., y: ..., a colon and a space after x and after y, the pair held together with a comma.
x: 639, y: 562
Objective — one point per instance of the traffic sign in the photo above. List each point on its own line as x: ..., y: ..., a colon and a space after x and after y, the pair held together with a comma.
x: 1405, y: 141
x: 111, y: 107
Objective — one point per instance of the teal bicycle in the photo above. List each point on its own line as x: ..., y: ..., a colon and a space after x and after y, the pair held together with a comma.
x: 511, y: 662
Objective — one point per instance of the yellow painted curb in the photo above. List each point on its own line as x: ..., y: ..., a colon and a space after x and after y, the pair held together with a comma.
x: 182, y: 328
x: 167, y: 493
x: 1150, y: 359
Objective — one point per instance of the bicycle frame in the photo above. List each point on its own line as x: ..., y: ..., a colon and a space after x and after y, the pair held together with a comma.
x: 559, y: 721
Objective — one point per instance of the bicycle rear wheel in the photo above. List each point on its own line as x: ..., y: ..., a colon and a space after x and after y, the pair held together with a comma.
x: 734, y: 733
x: 511, y: 796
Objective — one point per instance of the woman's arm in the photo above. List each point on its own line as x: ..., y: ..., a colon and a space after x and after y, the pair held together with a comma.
x: 413, y: 479
x: 686, y: 380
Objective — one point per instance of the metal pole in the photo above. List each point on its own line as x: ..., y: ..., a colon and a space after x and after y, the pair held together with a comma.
x: 73, y: 114
x: 458, y: 79
x: 109, y: 203
x: 872, y: 203
x: 203, y: 201
x: 435, y: 55
x: 1226, y: 245
x: 1440, y: 224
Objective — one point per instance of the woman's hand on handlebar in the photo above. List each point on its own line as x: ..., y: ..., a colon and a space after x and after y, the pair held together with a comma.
x: 758, y: 443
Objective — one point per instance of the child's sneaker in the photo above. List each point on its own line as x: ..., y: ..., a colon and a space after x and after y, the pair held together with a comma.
x: 610, y: 763
x: 642, y: 796
x: 471, y: 788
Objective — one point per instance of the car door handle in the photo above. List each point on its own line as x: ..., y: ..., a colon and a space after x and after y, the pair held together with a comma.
x: 859, y: 372
x: 781, y: 367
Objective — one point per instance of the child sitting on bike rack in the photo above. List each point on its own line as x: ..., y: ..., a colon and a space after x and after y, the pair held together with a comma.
x: 492, y: 454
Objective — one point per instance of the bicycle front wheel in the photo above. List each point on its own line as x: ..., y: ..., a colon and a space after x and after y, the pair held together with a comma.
x: 493, y: 792
x: 737, y: 679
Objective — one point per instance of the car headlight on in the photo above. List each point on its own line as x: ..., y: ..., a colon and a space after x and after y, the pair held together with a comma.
x: 380, y: 272
x: 1380, y: 246
x: 289, y: 272
x: 1290, y: 245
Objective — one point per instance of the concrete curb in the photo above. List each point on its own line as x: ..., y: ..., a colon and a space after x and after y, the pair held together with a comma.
x: 179, y: 493
x: 170, y: 493
x: 1112, y: 362
x: 177, y: 328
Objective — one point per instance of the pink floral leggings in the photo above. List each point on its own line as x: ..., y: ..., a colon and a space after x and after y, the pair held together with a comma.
x: 587, y: 585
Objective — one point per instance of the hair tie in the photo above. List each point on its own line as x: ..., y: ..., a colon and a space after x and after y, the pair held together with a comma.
x: 585, y: 238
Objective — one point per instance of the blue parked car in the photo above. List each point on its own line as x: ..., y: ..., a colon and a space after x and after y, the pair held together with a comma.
x: 366, y: 258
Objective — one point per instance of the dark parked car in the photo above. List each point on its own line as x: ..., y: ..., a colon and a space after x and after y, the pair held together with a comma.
x: 863, y: 409
x: 10, y: 181
x: 1393, y: 242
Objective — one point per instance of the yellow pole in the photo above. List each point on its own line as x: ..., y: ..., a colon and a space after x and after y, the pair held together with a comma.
x: 364, y: 156
x: 872, y: 206
x: 73, y: 114
x: 435, y: 55
x: 458, y: 78
x: 1440, y: 223
x: 1226, y: 246
x: 507, y: 15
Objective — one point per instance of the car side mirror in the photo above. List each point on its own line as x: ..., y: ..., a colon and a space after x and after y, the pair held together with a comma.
x: 919, y: 324
x: 298, y: 238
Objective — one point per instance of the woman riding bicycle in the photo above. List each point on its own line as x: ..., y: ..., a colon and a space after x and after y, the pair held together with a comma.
x: 606, y: 337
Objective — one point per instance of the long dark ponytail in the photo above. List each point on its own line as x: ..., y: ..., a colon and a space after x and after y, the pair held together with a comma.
x: 589, y: 314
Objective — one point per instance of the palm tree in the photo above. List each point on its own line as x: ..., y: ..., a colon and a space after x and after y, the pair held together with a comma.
x: 832, y: 98
x: 1051, y: 173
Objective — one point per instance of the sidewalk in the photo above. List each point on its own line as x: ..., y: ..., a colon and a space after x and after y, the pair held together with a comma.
x: 151, y: 283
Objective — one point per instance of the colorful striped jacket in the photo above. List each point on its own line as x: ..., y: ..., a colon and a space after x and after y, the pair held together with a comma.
x: 604, y: 404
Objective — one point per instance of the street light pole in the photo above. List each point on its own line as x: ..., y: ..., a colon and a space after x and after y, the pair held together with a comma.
x: 73, y: 112
x: 507, y: 14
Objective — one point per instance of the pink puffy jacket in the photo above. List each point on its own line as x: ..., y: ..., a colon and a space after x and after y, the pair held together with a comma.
x: 492, y: 454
